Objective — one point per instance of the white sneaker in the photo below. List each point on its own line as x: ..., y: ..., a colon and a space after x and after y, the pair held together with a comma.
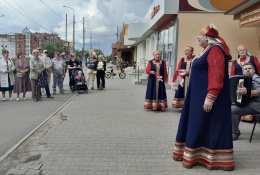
x: 24, y: 98
x: 3, y: 99
x: 11, y: 99
x: 18, y: 99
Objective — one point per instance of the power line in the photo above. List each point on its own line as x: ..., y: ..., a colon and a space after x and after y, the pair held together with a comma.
x: 24, y: 11
x: 27, y: 17
x: 52, y: 10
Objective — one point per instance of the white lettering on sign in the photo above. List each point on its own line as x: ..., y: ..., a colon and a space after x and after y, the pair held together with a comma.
x: 249, y: 13
x: 255, y: 18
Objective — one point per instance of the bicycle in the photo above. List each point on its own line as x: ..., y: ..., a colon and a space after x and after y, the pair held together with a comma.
x: 110, y: 74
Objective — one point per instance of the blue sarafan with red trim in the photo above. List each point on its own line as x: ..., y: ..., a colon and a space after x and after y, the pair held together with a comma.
x: 178, y: 100
x: 205, y: 138
x: 156, y: 98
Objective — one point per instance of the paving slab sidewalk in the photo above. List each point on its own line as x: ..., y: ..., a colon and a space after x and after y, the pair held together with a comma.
x: 109, y: 133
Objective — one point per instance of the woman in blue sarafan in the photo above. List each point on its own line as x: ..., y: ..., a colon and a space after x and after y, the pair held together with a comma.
x: 180, y: 78
x: 236, y: 69
x: 204, y: 134
x: 156, y: 98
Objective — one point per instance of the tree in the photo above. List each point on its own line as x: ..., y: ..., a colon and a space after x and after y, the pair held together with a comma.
x: 53, y: 47
x: 109, y: 58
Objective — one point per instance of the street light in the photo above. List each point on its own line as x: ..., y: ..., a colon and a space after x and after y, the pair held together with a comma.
x: 73, y: 25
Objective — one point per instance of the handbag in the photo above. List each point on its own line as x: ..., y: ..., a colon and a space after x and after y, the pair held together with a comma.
x: 19, y: 74
x: 42, y: 81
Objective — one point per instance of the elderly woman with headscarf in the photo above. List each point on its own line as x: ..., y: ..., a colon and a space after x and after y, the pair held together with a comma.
x: 236, y: 69
x: 243, y: 57
x: 204, y: 134
x: 180, y: 78
x: 155, y: 98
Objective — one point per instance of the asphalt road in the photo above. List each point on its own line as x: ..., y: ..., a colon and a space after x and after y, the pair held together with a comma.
x: 19, y: 118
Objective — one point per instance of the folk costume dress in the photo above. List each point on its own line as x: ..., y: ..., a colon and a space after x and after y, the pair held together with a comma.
x: 206, y: 138
x: 179, y: 97
x: 156, y: 98
x: 236, y: 69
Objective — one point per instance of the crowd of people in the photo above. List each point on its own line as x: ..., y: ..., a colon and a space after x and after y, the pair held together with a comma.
x: 208, y: 122
x: 34, y: 74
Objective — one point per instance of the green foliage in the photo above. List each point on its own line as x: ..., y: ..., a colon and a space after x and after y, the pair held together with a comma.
x: 109, y: 58
x: 53, y: 47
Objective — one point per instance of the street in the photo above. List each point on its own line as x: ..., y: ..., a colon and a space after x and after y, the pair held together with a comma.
x: 108, y: 132
x: 18, y: 118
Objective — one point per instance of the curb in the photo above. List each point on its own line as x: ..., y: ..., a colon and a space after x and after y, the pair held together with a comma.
x: 35, y: 129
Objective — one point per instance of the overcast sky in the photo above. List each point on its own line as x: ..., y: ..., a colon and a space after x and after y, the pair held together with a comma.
x: 101, y: 18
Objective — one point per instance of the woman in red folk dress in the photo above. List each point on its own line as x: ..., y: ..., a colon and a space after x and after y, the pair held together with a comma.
x: 204, y: 134
x: 155, y: 98
x: 180, y: 78
x: 236, y: 69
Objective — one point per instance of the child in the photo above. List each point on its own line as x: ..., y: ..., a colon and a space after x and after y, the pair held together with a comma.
x: 80, y: 77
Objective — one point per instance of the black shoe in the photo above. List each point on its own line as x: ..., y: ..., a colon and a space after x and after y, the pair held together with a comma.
x: 51, y: 97
x: 92, y: 88
x: 235, y: 136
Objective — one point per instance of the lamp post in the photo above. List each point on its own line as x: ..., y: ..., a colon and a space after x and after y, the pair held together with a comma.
x: 73, y: 24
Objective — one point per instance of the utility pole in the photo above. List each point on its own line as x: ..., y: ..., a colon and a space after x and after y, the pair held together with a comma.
x: 117, y: 44
x: 90, y: 41
x: 73, y: 29
x: 66, y: 28
x: 83, y: 49
x: 73, y: 25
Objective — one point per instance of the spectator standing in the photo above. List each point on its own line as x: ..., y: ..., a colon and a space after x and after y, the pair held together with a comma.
x: 36, y: 69
x: 80, y: 61
x: 47, y: 72
x: 101, y: 68
x: 48, y: 65
x: 58, y: 66
x: 22, y: 80
x: 91, y: 61
x: 72, y: 64
x: 6, y: 75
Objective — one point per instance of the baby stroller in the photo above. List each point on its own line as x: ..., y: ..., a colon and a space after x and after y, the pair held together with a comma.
x: 78, y: 85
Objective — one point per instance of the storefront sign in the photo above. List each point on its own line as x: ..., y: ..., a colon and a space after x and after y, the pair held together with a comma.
x: 155, y: 10
x: 249, y: 16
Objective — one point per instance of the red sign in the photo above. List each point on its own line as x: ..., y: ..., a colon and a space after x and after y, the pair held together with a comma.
x: 155, y: 10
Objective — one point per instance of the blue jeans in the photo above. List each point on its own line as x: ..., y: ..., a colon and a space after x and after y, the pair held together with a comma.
x: 47, y: 89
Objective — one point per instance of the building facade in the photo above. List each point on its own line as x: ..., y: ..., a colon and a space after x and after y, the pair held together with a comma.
x: 7, y: 43
x: 171, y: 25
x: 26, y: 41
x: 247, y: 15
x: 125, y: 49
x: 114, y: 51
x: 156, y: 32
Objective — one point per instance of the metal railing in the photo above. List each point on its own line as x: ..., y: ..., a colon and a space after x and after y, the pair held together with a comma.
x: 138, y: 64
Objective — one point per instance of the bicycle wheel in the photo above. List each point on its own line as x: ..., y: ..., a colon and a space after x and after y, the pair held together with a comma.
x: 122, y: 75
x: 108, y: 75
